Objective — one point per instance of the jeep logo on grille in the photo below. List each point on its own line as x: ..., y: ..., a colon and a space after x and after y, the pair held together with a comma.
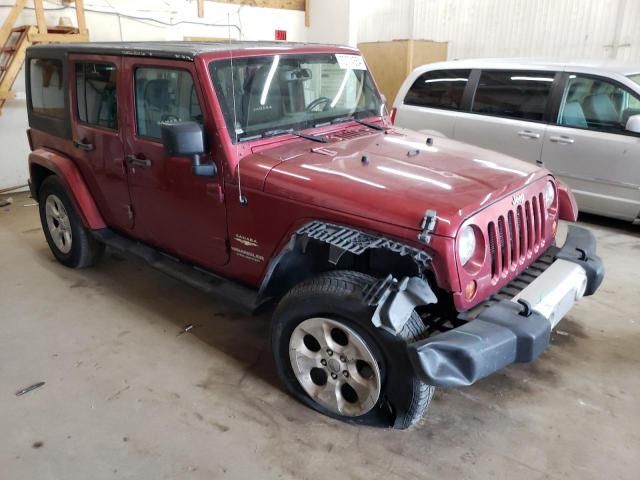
x: 517, y: 199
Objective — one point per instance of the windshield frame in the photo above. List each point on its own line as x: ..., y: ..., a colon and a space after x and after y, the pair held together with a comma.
x: 367, y: 82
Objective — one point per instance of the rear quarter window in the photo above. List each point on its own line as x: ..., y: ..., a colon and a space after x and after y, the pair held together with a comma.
x: 47, y: 85
x: 438, y: 89
x: 513, y: 94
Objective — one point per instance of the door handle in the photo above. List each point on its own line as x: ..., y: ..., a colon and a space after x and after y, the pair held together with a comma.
x: 561, y: 139
x: 528, y: 134
x: 87, y: 147
x: 138, y: 162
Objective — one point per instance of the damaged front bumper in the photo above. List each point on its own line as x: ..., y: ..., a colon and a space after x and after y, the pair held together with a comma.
x: 515, y: 324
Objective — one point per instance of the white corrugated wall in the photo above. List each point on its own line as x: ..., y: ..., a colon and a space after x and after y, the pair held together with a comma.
x: 510, y: 28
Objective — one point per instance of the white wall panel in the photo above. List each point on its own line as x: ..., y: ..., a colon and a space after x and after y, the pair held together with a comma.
x: 510, y: 28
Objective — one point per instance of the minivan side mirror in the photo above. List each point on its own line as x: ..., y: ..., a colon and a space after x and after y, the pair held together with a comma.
x: 186, y: 139
x: 633, y: 124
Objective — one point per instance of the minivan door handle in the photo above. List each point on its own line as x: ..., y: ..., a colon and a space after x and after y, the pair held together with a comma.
x: 87, y: 147
x: 138, y: 162
x: 561, y: 139
x: 528, y: 134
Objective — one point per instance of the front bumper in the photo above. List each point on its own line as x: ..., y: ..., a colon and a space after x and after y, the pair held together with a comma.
x: 515, y: 324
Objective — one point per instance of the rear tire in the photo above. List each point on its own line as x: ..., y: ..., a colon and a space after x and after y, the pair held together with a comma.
x: 70, y: 242
x: 309, y: 319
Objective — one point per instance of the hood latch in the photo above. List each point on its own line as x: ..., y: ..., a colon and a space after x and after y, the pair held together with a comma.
x: 427, y: 226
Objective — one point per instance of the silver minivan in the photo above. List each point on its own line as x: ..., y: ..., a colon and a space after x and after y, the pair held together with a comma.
x: 581, y: 120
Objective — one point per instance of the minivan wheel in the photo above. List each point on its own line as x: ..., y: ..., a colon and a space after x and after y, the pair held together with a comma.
x: 333, y: 359
x: 71, y: 243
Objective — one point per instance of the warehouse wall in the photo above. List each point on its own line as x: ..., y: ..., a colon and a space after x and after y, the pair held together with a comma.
x: 601, y: 29
x: 137, y: 20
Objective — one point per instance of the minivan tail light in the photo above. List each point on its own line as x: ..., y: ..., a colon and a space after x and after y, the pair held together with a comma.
x: 394, y: 110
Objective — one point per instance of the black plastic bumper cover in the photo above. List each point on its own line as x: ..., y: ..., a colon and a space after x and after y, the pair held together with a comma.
x: 503, y: 333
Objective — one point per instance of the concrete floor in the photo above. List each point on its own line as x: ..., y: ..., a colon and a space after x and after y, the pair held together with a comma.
x: 125, y: 397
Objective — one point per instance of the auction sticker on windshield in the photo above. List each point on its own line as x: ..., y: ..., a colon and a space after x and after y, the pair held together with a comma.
x: 351, y: 62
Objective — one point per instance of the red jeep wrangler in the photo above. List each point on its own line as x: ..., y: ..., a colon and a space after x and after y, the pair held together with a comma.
x: 270, y: 174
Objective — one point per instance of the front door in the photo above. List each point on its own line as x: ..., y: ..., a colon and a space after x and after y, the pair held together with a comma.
x: 590, y: 149
x: 96, y: 128
x: 508, y: 113
x: 175, y: 210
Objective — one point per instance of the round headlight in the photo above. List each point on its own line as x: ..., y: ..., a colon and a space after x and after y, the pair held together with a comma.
x: 466, y: 244
x: 549, y: 194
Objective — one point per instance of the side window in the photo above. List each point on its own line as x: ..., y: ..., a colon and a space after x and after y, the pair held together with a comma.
x: 164, y: 95
x: 513, y: 94
x: 596, y: 104
x: 96, y: 94
x: 438, y: 89
x: 46, y: 85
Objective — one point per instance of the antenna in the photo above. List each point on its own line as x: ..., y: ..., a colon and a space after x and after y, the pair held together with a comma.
x: 241, y: 198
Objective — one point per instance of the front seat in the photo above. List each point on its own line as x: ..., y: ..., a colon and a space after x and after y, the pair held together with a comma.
x: 158, y: 101
x: 599, y: 109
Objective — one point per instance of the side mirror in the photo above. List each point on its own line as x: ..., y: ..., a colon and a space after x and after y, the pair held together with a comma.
x: 186, y: 139
x: 633, y: 124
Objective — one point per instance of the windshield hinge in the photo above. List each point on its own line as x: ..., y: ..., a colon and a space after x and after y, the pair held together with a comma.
x: 427, y: 226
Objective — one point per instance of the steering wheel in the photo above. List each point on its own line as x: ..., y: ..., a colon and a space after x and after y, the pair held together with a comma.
x: 169, y: 118
x: 326, y: 101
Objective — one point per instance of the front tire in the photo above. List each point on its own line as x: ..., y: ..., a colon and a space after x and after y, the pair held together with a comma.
x: 70, y: 242
x: 333, y: 359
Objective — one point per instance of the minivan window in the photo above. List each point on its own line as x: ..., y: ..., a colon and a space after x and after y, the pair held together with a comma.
x: 513, y: 94
x: 164, y: 95
x: 46, y: 87
x: 596, y: 104
x: 438, y: 89
x: 96, y: 100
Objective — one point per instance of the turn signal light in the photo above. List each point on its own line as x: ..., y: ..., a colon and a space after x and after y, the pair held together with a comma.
x: 470, y: 290
x: 554, y: 227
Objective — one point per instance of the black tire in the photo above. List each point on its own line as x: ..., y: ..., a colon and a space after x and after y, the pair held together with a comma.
x: 85, y: 250
x: 338, y: 295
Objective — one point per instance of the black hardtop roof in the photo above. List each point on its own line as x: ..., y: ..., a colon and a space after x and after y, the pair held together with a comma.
x: 179, y: 49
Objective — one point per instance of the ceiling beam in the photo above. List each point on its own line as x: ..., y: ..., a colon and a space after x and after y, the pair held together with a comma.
x: 284, y: 4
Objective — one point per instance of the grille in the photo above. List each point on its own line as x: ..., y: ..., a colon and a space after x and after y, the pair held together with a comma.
x: 516, y: 235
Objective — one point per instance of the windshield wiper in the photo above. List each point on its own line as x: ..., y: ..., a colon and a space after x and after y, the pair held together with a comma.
x: 380, y: 128
x: 282, y: 131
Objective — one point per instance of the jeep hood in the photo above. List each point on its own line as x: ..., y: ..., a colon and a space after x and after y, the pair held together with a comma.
x: 395, y: 177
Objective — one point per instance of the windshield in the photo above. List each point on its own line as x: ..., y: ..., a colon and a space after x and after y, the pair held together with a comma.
x: 635, y: 77
x: 283, y: 93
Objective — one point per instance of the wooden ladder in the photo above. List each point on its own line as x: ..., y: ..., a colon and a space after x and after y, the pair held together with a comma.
x: 15, y: 40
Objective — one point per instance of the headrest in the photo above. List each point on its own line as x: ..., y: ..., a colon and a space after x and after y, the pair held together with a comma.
x: 157, y: 94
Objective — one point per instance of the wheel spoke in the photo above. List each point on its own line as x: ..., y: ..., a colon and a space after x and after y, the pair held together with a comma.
x: 330, y: 396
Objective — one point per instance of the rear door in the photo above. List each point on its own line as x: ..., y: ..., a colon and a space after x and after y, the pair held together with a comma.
x: 509, y: 112
x: 96, y: 124
x: 589, y: 148
x: 433, y: 101
x: 174, y: 209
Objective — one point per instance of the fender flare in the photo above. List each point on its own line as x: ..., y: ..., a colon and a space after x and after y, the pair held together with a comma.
x: 567, y: 205
x: 70, y: 176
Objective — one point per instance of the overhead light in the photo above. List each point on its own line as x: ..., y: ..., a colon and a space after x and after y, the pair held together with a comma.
x: 533, y: 79
x: 434, y: 80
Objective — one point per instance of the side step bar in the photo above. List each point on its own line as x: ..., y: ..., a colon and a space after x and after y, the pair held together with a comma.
x: 240, y: 295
